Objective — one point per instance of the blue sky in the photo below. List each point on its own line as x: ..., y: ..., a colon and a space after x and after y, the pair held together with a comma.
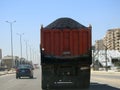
x: 30, y: 14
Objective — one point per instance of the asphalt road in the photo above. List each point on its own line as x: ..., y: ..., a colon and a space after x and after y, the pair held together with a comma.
x: 9, y: 82
x: 110, y: 80
x: 99, y: 81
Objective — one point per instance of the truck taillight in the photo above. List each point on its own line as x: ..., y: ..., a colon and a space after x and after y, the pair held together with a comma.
x: 84, y: 68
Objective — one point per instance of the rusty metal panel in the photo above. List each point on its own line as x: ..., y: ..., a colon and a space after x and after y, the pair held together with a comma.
x: 61, y: 42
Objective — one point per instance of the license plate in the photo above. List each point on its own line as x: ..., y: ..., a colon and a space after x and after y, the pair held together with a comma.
x: 23, y: 71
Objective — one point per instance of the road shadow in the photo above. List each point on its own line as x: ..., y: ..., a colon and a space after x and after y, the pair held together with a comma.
x: 94, y: 86
x: 97, y: 86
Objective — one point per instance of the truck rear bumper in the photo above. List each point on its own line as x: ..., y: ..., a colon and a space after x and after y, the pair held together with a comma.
x: 81, y: 81
x: 65, y: 76
x: 86, y: 59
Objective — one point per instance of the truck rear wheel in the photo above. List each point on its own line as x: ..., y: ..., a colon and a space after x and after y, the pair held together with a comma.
x: 44, y: 84
x: 85, y: 78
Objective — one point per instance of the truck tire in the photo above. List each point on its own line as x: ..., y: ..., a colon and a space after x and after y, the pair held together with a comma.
x: 86, y: 79
x: 44, y: 85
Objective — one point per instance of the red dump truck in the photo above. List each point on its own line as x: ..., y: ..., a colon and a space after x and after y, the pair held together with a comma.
x: 65, y: 54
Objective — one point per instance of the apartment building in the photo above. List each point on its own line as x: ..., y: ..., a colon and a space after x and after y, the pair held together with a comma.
x: 112, y: 39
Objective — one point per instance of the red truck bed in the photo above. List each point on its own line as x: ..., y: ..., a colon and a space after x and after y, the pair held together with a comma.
x: 66, y: 42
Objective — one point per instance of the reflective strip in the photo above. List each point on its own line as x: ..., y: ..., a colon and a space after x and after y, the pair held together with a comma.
x: 63, y: 82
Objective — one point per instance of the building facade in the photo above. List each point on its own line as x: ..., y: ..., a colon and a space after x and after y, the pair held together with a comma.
x: 99, y: 45
x: 112, y: 39
x: 10, y: 61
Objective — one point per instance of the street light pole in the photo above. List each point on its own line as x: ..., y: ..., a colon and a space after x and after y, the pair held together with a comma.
x: 106, y: 59
x: 20, y: 42
x: 26, y: 49
x: 11, y: 40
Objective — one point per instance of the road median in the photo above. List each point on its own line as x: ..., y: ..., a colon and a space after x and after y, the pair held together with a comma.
x: 7, y: 72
